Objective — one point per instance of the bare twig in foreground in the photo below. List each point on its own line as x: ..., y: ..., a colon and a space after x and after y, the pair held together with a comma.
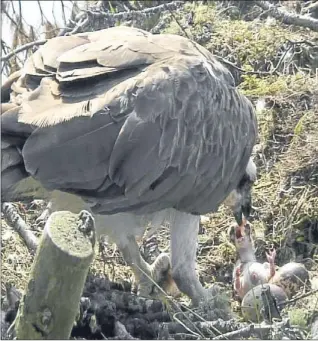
x: 87, y: 16
x: 22, y: 48
x: 297, y: 298
x: 19, y: 225
x: 288, y: 18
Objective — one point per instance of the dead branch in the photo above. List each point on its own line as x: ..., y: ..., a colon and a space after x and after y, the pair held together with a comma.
x: 207, y: 328
x: 245, y: 332
x: 19, y: 225
x: 287, y: 17
x: 87, y: 16
x: 184, y: 336
x: 297, y: 298
x: 22, y: 48
x: 121, y: 332
x: 13, y: 21
x: 261, y: 331
x: 130, y: 15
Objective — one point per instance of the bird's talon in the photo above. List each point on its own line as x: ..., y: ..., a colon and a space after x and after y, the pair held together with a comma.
x: 86, y: 225
x: 160, y: 273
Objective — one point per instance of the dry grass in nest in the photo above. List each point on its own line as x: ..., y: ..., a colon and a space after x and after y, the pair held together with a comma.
x: 16, y: 259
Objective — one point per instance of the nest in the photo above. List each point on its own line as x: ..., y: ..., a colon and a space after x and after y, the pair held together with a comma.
x: 286, y: 194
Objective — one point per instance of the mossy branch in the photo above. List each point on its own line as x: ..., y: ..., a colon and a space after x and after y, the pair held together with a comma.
x: 288, y: 18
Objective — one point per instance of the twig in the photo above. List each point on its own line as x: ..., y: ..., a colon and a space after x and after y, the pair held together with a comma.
x: 288, y: 18
x: 22, y: 48
x: 80, y: 25
x: 83, y: 21
x: 184, y: 336
x: 43, y: 17
x: 13, y: 218
x: 245, y: 332
x: 63, y: 11
x: 312, y: 292
x: 15, y: 24
x: 129, y: 15
x: 121, y: 333
x: 236, y: 334
x: 206, y: 327
x: 259, y: 330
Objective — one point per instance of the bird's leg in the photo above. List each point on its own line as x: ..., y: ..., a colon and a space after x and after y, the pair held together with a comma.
x: 130, y: 251
x: 123, y: 229
x: 237, y: 280
x: 184, y: 230
x: 271, y: 260
x: 147, y: 276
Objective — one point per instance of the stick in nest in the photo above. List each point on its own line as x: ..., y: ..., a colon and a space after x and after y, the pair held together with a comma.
x: 19, y: 225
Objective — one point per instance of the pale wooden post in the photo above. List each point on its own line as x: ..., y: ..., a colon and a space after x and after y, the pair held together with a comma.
x: 51, y: 300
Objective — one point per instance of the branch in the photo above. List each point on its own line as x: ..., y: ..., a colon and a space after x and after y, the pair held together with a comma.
x: 22, y: 48
x: 14, y: 23
x: 297, y: 298
x: 19, y: 225
x: 130, y: 15
x: 86, y: 16
x: 288, y: 18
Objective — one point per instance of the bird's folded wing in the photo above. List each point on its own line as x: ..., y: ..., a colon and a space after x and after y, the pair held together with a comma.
x: 156, y: 130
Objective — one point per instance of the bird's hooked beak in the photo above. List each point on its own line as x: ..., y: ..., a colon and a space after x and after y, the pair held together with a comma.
x: 243, y: 204
x: 242, y: 214
x: 243, y: 211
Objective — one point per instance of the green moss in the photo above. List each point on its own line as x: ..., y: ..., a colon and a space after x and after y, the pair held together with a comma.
x: 202, y: 13
x: 252, y: 85
x: 252, y: 43
x: 173, y: 28
x: 298, y: 317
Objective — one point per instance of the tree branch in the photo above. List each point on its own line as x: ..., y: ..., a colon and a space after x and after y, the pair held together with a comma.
x: 288, y: 18
x: 22, y: 48
x: 111, y: 18
x: 20, y: 226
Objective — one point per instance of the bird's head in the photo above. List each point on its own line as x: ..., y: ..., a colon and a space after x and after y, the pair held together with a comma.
x: 241, y: 237
x: 240, y: 199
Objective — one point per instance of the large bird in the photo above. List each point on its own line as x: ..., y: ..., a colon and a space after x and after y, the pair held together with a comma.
x: 136, y: 128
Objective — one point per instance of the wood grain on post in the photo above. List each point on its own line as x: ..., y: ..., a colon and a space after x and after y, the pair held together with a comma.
x: 51, y: 300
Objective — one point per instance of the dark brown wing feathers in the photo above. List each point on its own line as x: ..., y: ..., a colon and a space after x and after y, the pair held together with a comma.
x: 133, y: 121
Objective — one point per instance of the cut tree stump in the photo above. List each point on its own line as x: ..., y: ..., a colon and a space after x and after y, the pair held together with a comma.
x: 51, y: 300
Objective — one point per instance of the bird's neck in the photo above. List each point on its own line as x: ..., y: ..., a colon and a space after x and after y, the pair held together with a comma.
x: 246, y: 255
